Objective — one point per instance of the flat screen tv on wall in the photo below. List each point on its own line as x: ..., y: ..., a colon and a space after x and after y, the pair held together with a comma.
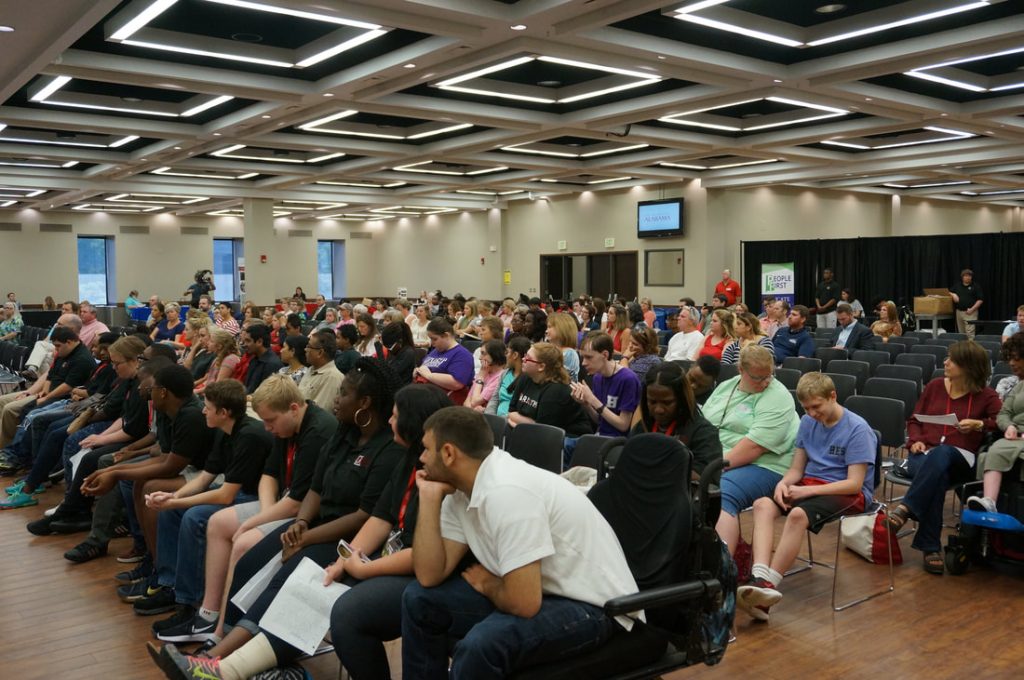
x: 659, y: 219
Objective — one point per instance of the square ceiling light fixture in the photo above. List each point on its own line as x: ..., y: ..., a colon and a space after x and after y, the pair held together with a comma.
x: 49, y: 91
x: 309, y: 206
x: 927, y: 135
x: 15, y: 192
x: 275, y: 155
x: 598, y: 80
x: 794, y: 113
x: 411, y: 211
x: 161, y: 199
x: 361, y: 184
x: 138, y: 25
x: 93, y: 141
x: 37, y: 163
x: 238, y: 212
x: 718, y: 162
x: 411, y: 133
x: 718, y: 15
x: 172, y: 172
x: 117, y: 208
x: 944, y: 73
x: 437, y: 168
x: 574, y: 150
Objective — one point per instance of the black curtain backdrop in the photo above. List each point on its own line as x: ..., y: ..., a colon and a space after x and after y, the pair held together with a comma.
x: 896, y: 268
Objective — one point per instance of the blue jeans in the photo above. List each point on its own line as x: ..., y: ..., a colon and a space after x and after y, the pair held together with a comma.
x: 181, y: 549
x: 934, y: 474
x: 56, y: 443
x: 491, y: 644
x: 36, y: 424
x: 743, y: 485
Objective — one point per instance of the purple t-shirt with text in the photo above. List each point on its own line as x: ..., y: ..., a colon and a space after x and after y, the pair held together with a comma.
x: 456, y: 362
x: 621, y: 392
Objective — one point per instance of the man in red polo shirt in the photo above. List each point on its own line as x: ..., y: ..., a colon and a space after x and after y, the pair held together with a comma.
x: 729, y: 288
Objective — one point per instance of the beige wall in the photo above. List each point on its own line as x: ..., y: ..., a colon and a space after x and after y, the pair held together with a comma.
x: 444, y: 251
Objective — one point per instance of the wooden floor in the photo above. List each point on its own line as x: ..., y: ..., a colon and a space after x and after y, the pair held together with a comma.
x: 61, y: 620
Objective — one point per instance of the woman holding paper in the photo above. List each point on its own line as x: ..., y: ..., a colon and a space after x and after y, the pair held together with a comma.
x: 942, y: 455
x: 350, y: 475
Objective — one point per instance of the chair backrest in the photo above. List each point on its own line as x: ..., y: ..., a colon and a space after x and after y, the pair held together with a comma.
x: 610, y: 453
x: 788, y: 377
x: 955, y: 336
x: 905, y: 391
x: 588, y: 451
x: 802, y: 364
x: 890, y: 348
x: 727, y: 372
x: 937, y: 351
x: 821, y: 343
x: 861, y: 370
x: 996, y: 347
x: 537, y: 444
x: 937, y: 373
x: 923, y: 336
x: 926, y: 362
x: 796, y: 404
x: 943, y: 341
x: 873, y: 357
x: 1002, y: 367
x: 421, y: 354
x: 883, y: 414
x: 663, y: 337
x: 905, y: 340
x: 498, y: 426
x: 996, y: 377
x: 913, y: 373
x: 823, y: 332
x: 846, y: 385
x: 989, y: 338
x: 827, y: 354
x: 471, y: 344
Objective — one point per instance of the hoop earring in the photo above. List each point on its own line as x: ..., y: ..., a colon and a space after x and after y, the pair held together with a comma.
x: 369, y: 418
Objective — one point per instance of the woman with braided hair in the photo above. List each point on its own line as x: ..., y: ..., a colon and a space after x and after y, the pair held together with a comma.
x: 351, y: 473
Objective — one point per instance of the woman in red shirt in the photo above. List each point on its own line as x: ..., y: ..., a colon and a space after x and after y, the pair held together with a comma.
x: 720, y: 334
x: 944, y: 455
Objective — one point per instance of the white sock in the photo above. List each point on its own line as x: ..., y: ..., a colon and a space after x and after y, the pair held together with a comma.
x: 208, y: 615
x: 254, y: 656
x: 763, y: 571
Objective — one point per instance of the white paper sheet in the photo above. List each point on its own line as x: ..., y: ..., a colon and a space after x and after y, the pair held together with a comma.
x: 76, y: 460
x: 248, y: 593
x: 948, y: 419
x: 301, y: 613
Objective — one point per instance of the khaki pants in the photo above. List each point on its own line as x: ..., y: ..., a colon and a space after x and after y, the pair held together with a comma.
x: 961, y: 322
x: 11, y: 406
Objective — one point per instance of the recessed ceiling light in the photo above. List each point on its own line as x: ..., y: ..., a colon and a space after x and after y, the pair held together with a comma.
x: 265, y: 116
x: 6, y: 29
x: 776, y: 81
x: 328, y: 94
x: 662, y: 57
x: 177, y: 148
x: 830, y: 9
x: 216, y: 134
x: 247, y: 37
x: 409, y: 65
x: 518, y: 27
x: 550, y: 83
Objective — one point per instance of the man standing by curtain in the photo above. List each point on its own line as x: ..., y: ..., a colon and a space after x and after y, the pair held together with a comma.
x: 826, y: 297
x: 967, y: 298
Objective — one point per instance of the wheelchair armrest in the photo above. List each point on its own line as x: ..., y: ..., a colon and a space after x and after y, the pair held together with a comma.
x: 662, y: 596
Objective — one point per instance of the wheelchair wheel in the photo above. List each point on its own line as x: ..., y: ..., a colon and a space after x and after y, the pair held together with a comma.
x: 957, y: 560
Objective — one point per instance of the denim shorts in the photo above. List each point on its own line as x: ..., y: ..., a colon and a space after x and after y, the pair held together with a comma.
x: 743, y: 485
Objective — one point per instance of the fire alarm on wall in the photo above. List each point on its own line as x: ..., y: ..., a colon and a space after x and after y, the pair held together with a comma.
x: 263, y: 259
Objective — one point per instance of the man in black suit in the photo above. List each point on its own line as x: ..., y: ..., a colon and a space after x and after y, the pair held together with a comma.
x: 321, y: 309
x: 849, y: 334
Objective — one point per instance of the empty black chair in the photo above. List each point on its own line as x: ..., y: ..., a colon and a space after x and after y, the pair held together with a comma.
x: 943, y: 341
x: 537, y: 444
x: 996, y: 377
x: 989, y: 338
x: 937, y: 351
x: 905, y: 391
x: 938, y: 373
x: 796, y: 404
x: 956, y: 336
x: 883, y: 414
x: 861, y: 370
x: 471, y: 343
x: 924, y: 336
x: 892, y: 349
x: 788, y: 377
x: 588, y: 451
x: 498, y: 425
x: 1002, y: 367
x: 728, y: 372
x: 802, y: 364
x: 823, y: 332
x: 996, y: 347
x: 821, y: 343
x: 663, y: 338
x: 926, y: 362
x: 905, y: 340
x: 874, y: 358
x: 827, y: 354
x: 846, y: 385
x: 684, y: 364
x: 914, y: 374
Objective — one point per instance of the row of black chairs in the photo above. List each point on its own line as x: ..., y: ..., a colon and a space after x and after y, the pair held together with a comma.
x: 12, y: 361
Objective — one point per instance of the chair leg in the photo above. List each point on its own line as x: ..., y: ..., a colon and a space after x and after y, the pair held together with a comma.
x: 808, y: 561
x: 835, y: 572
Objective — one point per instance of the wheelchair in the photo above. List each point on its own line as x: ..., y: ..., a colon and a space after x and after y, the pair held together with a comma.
x: 995, y: 540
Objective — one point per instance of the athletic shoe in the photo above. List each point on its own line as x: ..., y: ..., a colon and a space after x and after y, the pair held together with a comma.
x: 292, y: 671
x: 85, y: 551
x: 156, y: 601
x: 10, y: 465
x: 132, y: 556
x: 41, y: 526
x: 73, y: 523
x: 49, y: 513
x: 193, y: 629
x: 18, y: 500
x: 133, y: 592
x: 122, y: 531
x: 757, y: 597
x: 136, y: 575
x: 981, y: 504
x: 184, y: 667
x: 56, y: 475
x: 19, y: 486
x: 182, y: 613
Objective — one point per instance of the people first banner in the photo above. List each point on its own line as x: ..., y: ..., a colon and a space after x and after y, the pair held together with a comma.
x: 779, y: 282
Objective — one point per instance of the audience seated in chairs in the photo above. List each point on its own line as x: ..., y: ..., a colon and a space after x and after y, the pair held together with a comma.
x: 544, y: 394
x: 888, y: 323
x: 488, y: 378
x: 12, y: 323
x: 448, y: 364
x: 225, y: 358
x: 850, y: 334
x: 263, y: 363
x: 321, y: 382
x: 687, y: 343
x: 171, y: 326
x: 642, y: 353
x: 614, y: 392
x: 563, y: 333
x: 223, y: 318
x: 516, y: 349
x: 396, y: 337
x: 748, y: 331
x: 757, y: 426
x: 702, y: 376
x: 831, y: 473
x: 793, y: 340
x: 943, y: 455
x: 293, y: 355
x: 197, y: 357
x: 667, y: 406
x: 720, y: 334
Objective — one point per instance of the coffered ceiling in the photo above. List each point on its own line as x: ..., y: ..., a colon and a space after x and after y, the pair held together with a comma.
x: 375, y: 109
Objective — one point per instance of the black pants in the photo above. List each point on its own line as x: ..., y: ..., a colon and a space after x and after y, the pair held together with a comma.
x: 362, y: 620
x: 74, y: 499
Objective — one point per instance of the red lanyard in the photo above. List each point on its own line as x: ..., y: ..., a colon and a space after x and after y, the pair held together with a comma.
x: 289, y: 461
x: 98, y: 369
x: 405, y: 500
x: 668, y: 431
x: 950, y: 409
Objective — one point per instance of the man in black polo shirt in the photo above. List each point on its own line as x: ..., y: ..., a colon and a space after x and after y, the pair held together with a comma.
x: 240, y: 448
x: 264, y: 363
x: 967, y: 298
x: 182, y: 440
x: 826, y: 298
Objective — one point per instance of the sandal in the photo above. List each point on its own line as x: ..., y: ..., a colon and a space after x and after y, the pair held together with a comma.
x: 895, y: 519
x: 933, y: 563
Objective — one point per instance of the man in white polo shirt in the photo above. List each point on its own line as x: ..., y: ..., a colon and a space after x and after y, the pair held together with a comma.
x: 548, y: 560
x: 687, y: 342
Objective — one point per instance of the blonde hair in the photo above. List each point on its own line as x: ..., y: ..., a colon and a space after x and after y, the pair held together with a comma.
x: 751, y: 321
x: 197, y: 321
x: 172, y: 306
x: 551, y: 357
x: 814, y: 385
x: 565, y: 329
x: 129, y: 348
x: 756, y: 356
x: 220, y: 338
x: 725, y: 317
x: 278, y: 392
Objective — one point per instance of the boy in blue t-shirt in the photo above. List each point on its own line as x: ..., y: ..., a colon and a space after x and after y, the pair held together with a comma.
x: 832, y: 473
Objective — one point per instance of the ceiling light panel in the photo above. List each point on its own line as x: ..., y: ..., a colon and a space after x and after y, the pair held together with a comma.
x: 799, y: 113
x: 331, y: 125
x: 49, y: 91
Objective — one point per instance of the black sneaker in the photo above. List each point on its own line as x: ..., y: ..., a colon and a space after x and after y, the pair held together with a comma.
x: 133, y: 592
x: 139, y: 573
x: 73, y: 523
x: 42, y: 526
x: 85, y: 551
x: 192, y: 629
x: 156, y: 601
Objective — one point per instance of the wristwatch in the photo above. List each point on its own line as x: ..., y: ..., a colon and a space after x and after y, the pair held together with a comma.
x: 599, y: 409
